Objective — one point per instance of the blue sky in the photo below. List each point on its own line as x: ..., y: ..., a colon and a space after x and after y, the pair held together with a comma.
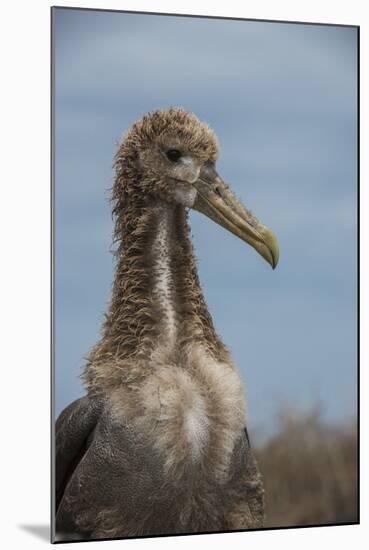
x: 282, y: 100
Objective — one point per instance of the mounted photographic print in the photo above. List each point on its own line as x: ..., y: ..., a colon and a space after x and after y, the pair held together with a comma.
x: 205, y: 297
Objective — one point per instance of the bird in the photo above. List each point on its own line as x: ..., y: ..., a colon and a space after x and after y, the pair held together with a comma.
x: 158, y: 444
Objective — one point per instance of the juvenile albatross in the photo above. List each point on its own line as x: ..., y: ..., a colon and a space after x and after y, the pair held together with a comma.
x: 158, y: 444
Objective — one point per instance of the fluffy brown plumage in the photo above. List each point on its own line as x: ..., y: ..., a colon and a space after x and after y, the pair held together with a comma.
x: 158, y: 443
x: 137, y: 194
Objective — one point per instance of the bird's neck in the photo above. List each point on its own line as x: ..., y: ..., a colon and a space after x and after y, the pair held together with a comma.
x: 157, y: 302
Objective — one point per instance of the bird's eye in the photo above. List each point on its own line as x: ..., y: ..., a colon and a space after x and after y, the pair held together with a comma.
x: 174, y: 155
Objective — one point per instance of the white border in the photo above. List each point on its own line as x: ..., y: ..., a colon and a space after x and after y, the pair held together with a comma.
x: 25, y: 231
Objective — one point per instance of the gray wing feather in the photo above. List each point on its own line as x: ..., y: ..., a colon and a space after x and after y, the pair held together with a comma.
x: 73, y: 434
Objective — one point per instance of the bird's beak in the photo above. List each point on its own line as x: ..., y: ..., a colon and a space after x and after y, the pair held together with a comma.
x: 216, y: 200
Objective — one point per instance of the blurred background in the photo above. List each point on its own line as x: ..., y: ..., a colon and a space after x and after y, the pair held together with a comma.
x: 282, y: 100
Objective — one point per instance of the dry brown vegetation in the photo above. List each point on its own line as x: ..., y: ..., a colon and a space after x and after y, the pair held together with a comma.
x: 310, y: 472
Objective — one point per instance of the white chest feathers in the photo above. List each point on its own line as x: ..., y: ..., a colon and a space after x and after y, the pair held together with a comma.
x: 190, y: 416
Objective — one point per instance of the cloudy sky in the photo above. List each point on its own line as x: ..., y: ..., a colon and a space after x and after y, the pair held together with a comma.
x: 282, y: 99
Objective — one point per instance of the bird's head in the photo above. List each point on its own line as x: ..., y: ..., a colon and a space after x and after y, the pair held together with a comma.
x: 171, y: 155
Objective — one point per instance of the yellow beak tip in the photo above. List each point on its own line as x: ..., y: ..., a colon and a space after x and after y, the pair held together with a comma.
x: 271, y: 243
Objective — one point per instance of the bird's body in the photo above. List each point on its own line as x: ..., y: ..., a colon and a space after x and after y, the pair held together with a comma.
x: 158, y: 444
